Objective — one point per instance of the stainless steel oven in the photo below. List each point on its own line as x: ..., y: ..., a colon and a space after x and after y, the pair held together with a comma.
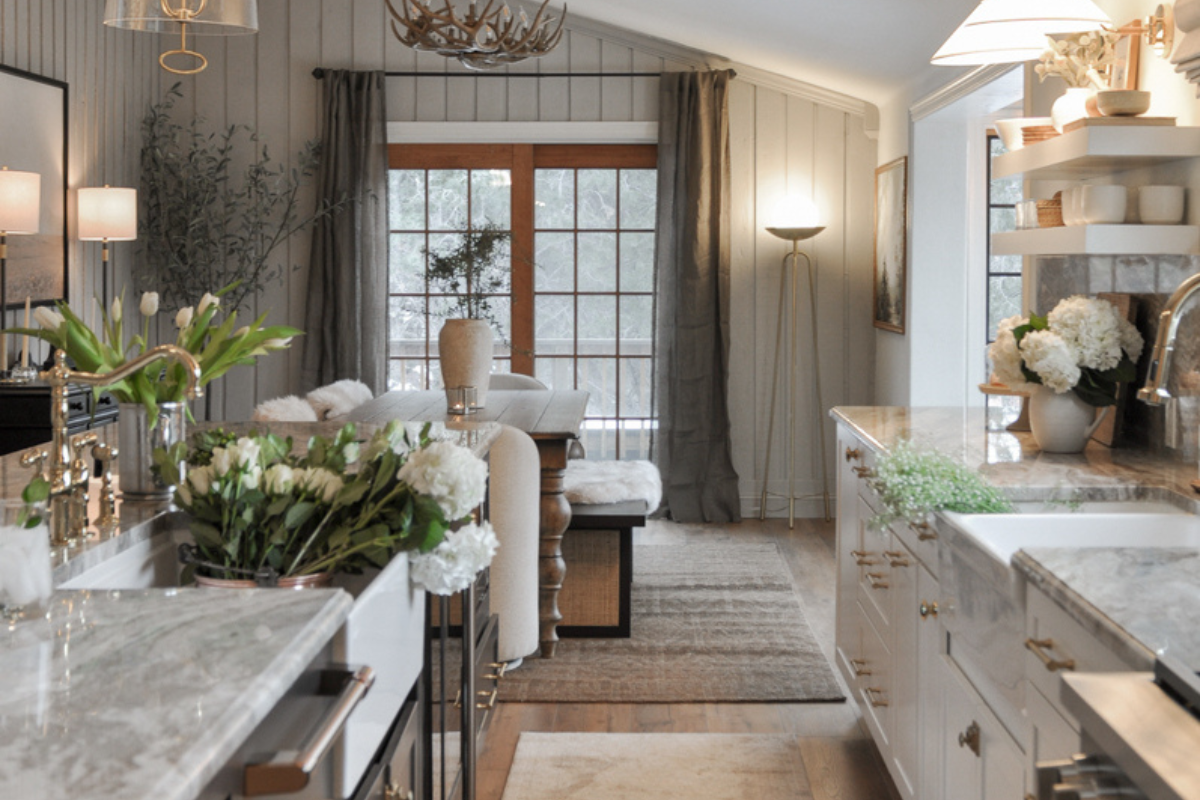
x: 1140, y: 736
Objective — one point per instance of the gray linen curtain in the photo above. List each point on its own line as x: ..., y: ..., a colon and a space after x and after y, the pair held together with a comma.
x: 345, y: 320
x: 692, y: 448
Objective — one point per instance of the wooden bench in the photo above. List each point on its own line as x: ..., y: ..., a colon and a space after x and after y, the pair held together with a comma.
x: 593, y: 571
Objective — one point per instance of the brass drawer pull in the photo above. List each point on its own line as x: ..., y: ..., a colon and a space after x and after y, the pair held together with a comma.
x: 860, y: 667
x: 864, y: 472
x: 490, y: 703
x: 501, y: 669
x: 876, y: 702
x: 861, y: 553
x: 970, y: 738
x: 928, y: 609
x: 866, y: 562
x: 1039, y: 647
x: 897, y: 558
x: 924, y: 531
x: 853, y: 454
x: 393, y: 792
x: 876, y: 579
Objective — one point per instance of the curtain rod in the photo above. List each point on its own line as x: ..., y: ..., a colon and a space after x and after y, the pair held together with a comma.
x: 319, y: 73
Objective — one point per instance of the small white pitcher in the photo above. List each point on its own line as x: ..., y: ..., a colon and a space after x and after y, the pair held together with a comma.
x: 1062, y: 423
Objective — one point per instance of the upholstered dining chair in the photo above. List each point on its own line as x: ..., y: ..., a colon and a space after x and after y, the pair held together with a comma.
x: 514, y: 495
x: 502, y: 381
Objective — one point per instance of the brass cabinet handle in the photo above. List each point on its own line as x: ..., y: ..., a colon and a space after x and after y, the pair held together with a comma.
x: 853, y: 454
x: 861, y: 553
x: 501, y: 669
x: 393, y: 791
x: 970, y: 738
x: 876, y: 579
x: 863, y: 558
x: 860, y: 667
x: 928, y: 609
x: 876, y: 702
x: 1039, y: 647
x: 924, y: 531
x: 864, y: 472
x: 488, y: 704
x: 897, y: 558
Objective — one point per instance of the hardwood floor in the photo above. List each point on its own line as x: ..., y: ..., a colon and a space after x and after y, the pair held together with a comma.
x: 841, y: 762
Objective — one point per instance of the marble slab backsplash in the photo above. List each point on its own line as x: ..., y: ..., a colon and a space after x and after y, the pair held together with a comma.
x: 1150, y: 280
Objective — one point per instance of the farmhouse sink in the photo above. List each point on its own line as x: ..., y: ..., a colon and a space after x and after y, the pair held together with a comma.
x: 983, y: 597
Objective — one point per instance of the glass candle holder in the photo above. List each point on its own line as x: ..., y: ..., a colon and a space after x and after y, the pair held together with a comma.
x: 25, y: 570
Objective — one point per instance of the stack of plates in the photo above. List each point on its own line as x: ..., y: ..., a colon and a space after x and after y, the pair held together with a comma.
x: 1038, y: 133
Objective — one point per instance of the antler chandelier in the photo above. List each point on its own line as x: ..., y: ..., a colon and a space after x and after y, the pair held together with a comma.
x: 479, y: 39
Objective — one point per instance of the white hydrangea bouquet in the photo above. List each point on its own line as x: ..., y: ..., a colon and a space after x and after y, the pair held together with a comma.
x: 1084, y: 345
x: 259, y: 509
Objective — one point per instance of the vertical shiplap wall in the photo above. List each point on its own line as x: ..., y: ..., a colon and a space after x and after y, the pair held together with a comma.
x: 781, y: 143
x: 110, y: 75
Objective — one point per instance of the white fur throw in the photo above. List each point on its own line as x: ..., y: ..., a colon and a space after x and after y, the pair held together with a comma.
x: 285, y: 409
x: 339, y: 398
x: 612, y: 482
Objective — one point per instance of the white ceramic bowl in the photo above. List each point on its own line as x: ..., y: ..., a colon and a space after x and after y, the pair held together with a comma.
x: 1161, y: 205
x: 1104, y: 205
x: 1072, y: 210
x: 1010, y: 130
x: 1122, y: 102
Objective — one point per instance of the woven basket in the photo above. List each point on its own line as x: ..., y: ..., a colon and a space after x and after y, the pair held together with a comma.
x: 1050, y: 212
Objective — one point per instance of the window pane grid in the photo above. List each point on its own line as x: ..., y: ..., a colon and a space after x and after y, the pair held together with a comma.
x: 595, y: 351
x: 1004, y: 274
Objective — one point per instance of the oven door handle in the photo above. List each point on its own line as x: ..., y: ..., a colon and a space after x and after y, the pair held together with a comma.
x: 289, y: 770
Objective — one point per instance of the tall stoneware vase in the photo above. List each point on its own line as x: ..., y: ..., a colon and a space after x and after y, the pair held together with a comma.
x: 140, y: 435
x: 1062, y: 423
x: 465, y: 348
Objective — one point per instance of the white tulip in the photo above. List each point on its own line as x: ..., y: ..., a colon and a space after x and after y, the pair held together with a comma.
x: 222, y: 461
x: 242, y: 331
x: 48, y: 318
x: 248, y: 451
x: 206, y: 301
x: 184, y: 317
x: 276, y: 344
x: 116, y: 310
x: 149, y: 306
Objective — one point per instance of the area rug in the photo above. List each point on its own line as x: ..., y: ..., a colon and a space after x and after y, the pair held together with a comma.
x: 658, y: 766
x: 712, y: 623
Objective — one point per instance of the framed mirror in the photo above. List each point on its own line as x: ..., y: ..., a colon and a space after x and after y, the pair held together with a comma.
x: 33, y: 138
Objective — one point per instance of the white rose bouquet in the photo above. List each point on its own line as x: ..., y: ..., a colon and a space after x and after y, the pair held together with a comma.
x: 1084, y: 345
x: 258, y: 508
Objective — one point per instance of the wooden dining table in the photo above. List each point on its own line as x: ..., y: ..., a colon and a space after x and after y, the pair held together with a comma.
x: 552, y: 419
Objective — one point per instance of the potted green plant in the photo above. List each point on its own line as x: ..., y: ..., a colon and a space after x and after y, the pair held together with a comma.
x: 267, y: 512
x: 471, y: 274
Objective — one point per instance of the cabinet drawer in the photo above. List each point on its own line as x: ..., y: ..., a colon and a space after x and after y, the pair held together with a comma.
x: 875, y: 573
x: 921, y: 540
x: 1064, y: 646
x: 403, y: 776
x: 875, y: 688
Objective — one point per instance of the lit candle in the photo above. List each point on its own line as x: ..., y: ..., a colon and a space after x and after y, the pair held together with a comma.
x: 25, y: 338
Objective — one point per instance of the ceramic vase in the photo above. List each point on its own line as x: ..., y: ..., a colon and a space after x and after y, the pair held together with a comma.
x: 1062, y: 423
x: 465, y: 348
x: 137, y: 441
x: 1072, y: 106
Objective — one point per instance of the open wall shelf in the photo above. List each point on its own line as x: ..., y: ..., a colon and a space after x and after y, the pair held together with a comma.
x: 1099, y: 240
x: 1099, y: 151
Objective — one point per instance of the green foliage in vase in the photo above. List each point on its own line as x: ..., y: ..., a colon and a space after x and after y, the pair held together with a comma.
x: 472, y: 273
x: 913, y: 483
x: 205, y: 221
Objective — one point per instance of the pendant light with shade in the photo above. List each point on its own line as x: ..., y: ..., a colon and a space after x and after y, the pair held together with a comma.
x: 197, y: 17
x: 1009, y: 31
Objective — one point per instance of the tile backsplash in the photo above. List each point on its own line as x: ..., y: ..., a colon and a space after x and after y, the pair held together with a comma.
x: 1150, y: 280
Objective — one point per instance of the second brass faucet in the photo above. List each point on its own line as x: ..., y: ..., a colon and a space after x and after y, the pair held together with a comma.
x: 64, y: 466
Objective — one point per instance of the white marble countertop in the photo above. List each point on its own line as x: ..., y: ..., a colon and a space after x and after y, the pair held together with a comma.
x: 144, y: 695
x: 1138, y: 601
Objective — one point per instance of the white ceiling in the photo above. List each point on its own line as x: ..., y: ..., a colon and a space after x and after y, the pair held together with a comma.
x: 864, y: 48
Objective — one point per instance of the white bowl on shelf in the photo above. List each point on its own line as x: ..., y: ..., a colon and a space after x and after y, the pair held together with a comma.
x: 1104, y: 205
x: 1161, y: 205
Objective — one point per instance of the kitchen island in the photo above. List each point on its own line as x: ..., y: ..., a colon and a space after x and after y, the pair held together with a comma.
x: 955, y: 652
x: 134, y: 688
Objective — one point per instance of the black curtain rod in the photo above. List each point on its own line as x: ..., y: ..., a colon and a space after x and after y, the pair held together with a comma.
x: 319, y: 73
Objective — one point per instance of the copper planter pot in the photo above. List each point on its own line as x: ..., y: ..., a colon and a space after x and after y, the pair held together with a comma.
x: 321, y: 580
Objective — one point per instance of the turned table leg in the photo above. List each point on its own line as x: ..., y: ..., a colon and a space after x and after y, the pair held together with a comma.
x: 555, y: 517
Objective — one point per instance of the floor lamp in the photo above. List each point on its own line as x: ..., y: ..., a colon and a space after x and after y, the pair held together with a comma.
x: 106, y: 215
x: 20, y: 212
x: 795, y: 234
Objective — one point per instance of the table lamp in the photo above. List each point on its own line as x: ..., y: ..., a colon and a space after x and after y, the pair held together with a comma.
x: 20, y: 213
x: 106, y: 215
x: 795, y: 220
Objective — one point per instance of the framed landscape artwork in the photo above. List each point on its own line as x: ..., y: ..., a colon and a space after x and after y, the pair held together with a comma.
x: 891, y: 244
x: 33, y: 138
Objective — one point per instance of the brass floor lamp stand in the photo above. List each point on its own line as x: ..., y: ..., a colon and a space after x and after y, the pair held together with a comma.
x: 795, y: 236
